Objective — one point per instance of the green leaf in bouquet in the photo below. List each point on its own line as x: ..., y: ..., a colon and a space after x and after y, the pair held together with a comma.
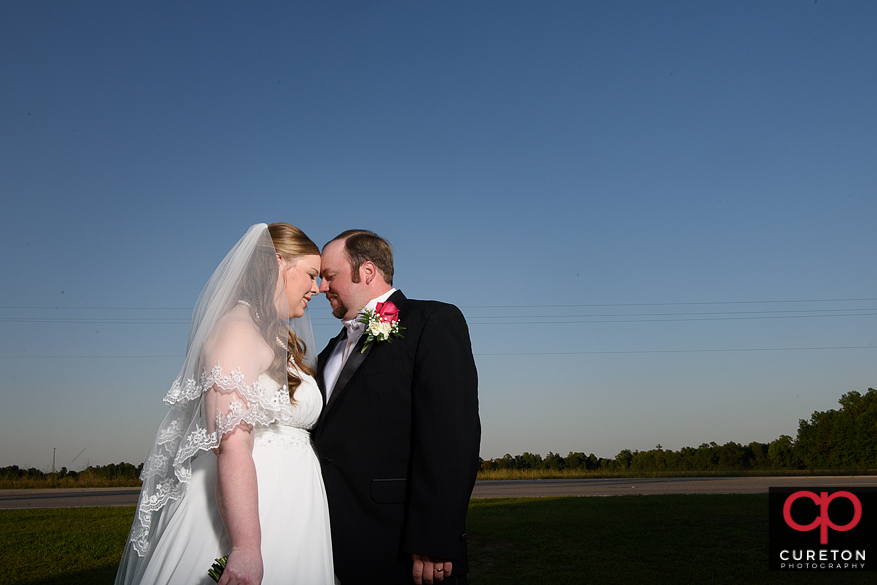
x: 218, y: 567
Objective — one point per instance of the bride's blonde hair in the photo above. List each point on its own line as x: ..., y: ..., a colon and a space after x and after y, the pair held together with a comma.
x: 290, y: 243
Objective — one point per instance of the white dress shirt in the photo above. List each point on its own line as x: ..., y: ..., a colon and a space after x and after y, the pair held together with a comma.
x: 344, y: 347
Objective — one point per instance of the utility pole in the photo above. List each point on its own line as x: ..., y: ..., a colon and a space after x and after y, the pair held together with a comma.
x: 53, y: 459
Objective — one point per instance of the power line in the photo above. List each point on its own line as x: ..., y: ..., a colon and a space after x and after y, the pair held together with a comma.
x: 667, y: 304
x: 472, y: 321
x: 542, y: 319
x: 96, y: 320
x: 84, y: 357
x: 681, y: 351
x: 671, y: 304
x: 573, y: 322
x: 59, y: 308
x: 675, y: 314
x: 620, y: 352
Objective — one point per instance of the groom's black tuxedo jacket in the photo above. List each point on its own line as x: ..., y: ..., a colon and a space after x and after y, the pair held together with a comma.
x: 398, y: 442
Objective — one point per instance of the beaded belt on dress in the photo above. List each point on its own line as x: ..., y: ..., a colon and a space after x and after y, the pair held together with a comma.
x: 282, y: 436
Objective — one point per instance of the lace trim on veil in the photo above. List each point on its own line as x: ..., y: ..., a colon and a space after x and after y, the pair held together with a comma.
x: 184, y: 433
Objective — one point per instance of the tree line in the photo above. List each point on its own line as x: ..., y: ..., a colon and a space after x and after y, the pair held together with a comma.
x: 842, y: 439
x: 113, y: 471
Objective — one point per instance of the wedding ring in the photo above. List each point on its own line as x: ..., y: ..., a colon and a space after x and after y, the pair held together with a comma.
x: 439, y: 570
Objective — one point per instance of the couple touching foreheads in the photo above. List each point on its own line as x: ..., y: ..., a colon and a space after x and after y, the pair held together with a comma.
x: 354, y: 466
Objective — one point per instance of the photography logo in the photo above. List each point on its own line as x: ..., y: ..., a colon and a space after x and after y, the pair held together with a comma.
x: 823, y: 529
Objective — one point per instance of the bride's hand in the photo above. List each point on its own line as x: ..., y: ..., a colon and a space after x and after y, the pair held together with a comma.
x: 244, y: 567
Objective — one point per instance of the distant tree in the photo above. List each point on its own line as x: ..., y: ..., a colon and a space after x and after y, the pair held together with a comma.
x: 530, y: 461
x: 757, y: 455
x: 674, y: 460
x: 836, y: 439
x: 554, y: 462
x: 575, y: 461
x: 845, y: 438
x: 593, y: 462
x: 731, y: 456
x: 706, y: 457
x: 623, y: 459
x: 642, y: 461
x: 781, y: 454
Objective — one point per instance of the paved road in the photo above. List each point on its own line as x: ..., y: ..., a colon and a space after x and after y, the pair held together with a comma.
x: 74, y: 498
x: 68, y: 498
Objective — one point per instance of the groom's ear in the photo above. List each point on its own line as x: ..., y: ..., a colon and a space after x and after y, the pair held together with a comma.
x: 367, y: 272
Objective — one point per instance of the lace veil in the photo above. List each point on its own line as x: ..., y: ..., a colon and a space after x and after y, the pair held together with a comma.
x: 239, y: 321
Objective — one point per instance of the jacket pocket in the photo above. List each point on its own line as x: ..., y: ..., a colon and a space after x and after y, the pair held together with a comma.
x: 388, y: 491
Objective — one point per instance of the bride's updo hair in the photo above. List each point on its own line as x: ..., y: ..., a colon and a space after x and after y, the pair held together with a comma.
x: 290, y: 243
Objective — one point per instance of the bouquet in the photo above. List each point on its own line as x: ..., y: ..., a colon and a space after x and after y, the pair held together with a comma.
x: 218, y: 567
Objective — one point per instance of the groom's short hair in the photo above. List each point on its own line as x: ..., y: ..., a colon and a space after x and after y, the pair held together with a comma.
x: 363, y: 245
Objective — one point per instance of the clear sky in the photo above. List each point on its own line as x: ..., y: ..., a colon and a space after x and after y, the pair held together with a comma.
x: 657, y: 217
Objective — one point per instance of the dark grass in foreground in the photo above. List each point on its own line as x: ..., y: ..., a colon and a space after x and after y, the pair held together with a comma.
x: 72, y: 546
x: 714, y: 539
x: 621, y: 539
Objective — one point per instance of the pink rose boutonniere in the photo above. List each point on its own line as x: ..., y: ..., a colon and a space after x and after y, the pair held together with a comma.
x: 381, y: 324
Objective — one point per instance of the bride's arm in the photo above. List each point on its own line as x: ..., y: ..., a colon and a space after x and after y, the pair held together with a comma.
x: 238, y: 502
x: 240, y: 352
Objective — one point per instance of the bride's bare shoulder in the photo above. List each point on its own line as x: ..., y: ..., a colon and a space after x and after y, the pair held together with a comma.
x: 237, y: 337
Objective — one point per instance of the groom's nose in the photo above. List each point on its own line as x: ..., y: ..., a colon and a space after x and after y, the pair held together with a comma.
x: 324, y: 286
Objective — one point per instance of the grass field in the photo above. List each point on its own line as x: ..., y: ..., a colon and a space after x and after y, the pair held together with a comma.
x: 84, y: 481
x: 678, y: 539
x: 75, y: 546
x: 671, y: 539
x: 506, y: 474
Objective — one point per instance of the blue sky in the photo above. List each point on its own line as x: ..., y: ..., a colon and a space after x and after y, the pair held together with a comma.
x: 657, y: 217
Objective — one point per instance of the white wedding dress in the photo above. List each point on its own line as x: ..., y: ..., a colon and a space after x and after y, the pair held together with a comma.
x: 188, y: 534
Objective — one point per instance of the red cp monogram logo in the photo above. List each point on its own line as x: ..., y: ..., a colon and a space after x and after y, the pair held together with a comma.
x: 823, y: 521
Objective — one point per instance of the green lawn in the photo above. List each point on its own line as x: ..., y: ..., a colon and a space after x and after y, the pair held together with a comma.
x: 623, y: 539
x: 672, y: 539
x: 74, y: 546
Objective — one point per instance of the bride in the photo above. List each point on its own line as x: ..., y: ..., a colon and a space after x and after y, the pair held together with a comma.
x: 232, y: 470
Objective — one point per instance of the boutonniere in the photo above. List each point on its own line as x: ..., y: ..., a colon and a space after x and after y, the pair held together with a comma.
x: 381, y: 324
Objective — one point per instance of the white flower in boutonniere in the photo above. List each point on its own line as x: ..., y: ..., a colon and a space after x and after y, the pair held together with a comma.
x: 381, y: 324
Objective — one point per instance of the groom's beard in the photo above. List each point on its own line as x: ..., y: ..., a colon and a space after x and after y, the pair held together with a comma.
x: 340, y: 308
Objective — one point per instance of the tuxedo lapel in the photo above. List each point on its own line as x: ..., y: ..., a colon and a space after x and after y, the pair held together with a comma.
x: 357, y: 357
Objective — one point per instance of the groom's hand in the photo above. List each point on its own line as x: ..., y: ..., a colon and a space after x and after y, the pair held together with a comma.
x: 430, y: 570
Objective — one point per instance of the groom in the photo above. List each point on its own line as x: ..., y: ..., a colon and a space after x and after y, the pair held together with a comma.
x: 399, y: 435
